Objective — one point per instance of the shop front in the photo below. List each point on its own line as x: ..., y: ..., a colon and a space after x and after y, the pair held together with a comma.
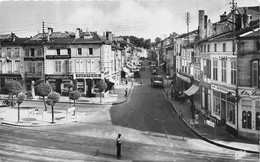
x: 85, y: 83
x: 59, y: 82
x: 30, y: 79
x: 249, y: 113
x: 205, y: 97
x: 224, y: 107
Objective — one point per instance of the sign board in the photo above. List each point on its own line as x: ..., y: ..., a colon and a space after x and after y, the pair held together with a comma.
x: 58, y: 77
x: 186, y: 79
x: 88, y: 75
x: 222, y: 89
x: 249, y: 93
x: 58, y: 56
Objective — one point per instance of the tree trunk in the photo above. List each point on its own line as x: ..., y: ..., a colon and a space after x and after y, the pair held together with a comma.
x: 52, y: 114
x: 18, y: 113
x: 45, y: 106
x: 100, y: 96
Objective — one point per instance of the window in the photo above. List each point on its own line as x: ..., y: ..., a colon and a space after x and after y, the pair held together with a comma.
x: 17, y: 66
x: 70, y: 66
x: 208, y: 47
x: 224, y: 70
x: 246, y: 114
x: 8, y: 52
x: 1, y: 69
x: 9, y: 66
x: 257, y: 115
x: 201, y: 48
x: 1, y: 52
x: 32, y: 52
x: 241, y: 46
x: 224, y: 47
x: 258, y: 45
x: 90, y: 51
x: 79, y: 66
x: 58, y: 51
x: 204, y: 48
x: 31, y: 66
x: 69, y: 51
x: 58, y: 66
x: 79, y: 51
x: 39, y: 52
x: 255, y: 74
x: 233, y: 72
x: 215, y: 47
x: 215, y: 69
x: 17, y: 52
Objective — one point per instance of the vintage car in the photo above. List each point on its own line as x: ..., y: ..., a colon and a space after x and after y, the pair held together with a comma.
x: 157, y: 81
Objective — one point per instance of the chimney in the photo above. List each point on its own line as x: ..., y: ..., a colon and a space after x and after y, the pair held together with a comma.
x: 109, y: 36
x: 77, y: 33
x: 223, y: 17
x: 201, y: 23
x: 50, y: 30
x: 13, y: 37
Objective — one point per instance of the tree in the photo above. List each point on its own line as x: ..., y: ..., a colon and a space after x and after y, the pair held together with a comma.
x: 74, y: 95
x: 102, y: 86
x: 13, y: 88
x: 43, y: 90
x: 21, y: 97
x: 52, y: 99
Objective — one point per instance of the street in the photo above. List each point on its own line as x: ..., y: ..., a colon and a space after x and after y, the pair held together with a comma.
x: 150, y: 130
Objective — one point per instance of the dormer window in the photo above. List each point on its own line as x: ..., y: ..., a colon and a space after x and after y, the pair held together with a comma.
x: 90, y: 50
x: 224, y: 47
x: 58, y: 51
x: 79, y: 51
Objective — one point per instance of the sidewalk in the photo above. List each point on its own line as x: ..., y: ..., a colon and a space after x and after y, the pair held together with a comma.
x: 218, y: 135
x: 35, y: 116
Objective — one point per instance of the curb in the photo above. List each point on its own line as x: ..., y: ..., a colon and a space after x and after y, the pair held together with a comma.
x: 208, y: 140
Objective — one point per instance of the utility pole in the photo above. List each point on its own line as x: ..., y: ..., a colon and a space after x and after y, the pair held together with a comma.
x: 188, y: 22
x: 43, y: 32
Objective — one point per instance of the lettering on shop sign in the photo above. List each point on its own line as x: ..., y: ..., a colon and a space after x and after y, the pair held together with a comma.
x: 57, y: 47
x: 59, y: 77
x: 58, y: 56
x: 88, y: 75
x: 253, y: 93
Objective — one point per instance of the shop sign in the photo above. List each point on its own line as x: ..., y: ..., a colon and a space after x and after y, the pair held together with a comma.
x: 58, y: 47
x: 249, y: 93
x: 222, y: 89
x: 186, y: 79
x: 58, y: 56
x: 88, y: 75
x: 58, y: 77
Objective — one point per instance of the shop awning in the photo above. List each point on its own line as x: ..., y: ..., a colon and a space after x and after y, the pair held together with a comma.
x: 193, y: 89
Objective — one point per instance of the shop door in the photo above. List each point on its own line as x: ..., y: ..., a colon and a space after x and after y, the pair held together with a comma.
x: 58, y: 85
x: 223, y: 111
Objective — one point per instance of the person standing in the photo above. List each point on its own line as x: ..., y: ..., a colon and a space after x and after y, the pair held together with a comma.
x: 118, y: 146
x: 192, y: 109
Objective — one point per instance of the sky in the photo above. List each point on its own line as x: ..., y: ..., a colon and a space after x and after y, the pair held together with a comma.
x: 146, y: 19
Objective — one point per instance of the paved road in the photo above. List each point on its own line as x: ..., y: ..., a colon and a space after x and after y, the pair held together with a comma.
x: 148, y: 110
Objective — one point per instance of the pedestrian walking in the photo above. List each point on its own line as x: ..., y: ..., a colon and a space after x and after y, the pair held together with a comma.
x: 196, y: 121
x: 141, y: 81
x: 126, y: 92
x: 118, y: 146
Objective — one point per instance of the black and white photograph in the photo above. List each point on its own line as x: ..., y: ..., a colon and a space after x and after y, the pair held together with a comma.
x: 130, y: 80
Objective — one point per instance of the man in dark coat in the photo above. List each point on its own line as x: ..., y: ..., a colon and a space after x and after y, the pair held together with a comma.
x: 118, y: 146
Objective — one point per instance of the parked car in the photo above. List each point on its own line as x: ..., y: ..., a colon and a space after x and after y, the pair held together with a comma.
x: 157, y: 80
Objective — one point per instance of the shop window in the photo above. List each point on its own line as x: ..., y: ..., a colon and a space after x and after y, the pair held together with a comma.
x: 216, y: 102
x: 233, y: 72
x: 215, y: 69
x: 246, y: 114
x: 257, y: 115
x: 224, y: 70
x: 231, y: 112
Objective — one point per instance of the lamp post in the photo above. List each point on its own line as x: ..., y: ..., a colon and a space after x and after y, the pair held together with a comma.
x: 167, y: 77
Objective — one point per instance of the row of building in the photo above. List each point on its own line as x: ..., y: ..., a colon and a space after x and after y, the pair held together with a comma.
x: 81, y: 58
x: 218, y: 67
